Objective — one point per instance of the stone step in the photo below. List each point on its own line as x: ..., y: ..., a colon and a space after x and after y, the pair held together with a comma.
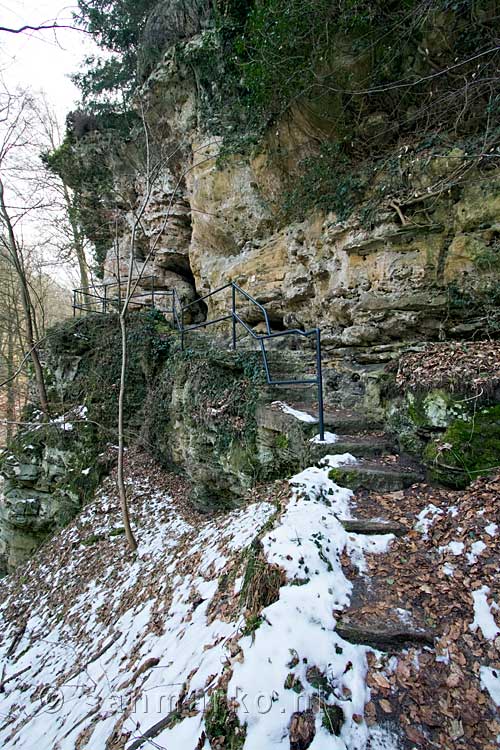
x: 352, y: 428
x: 307, y: 394
x: 376, y: 475
x: 380, y: 615
x: 341, y: 421
x: 383, y: 636
x: 360, y: 446
x: 361, y: 526
x: 349, y: 421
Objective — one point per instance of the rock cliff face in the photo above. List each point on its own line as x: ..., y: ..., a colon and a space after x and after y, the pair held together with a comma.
x: 205, y: 414
x: 412, y: 257
x: 48, y: 472
x: 415, y: 270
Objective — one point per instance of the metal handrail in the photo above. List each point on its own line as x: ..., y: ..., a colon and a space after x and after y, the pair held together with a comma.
x: 105, y: 299
x: 178, y: 312
x: 262, y: 338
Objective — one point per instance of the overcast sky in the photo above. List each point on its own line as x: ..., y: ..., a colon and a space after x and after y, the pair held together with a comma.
x: 42, y: 60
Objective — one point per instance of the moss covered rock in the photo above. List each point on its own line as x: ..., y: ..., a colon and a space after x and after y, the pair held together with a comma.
x: 414, y: 418
x: 467, y: 449
x: 201, y: 419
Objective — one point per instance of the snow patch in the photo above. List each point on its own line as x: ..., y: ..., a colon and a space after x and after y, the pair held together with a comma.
x: 456, y: 548
x: 476, y: 549
x: 483, y: 614
x: 328, y: 438
x: 302, y: 416
x: 426, y: 518
x: 156, y: 606
x: 78, y: 413
x: 297, y: 631
x: 339, y: 459
x: 490, y: 681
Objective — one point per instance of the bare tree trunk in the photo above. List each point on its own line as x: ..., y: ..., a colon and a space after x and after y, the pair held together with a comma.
x: 77, y: 240
x: 130, y: 289
x: 11, y: 393
x: 30, y: 339
x: 17, y: 262
x: 120, y: 477
x: 122, y: 490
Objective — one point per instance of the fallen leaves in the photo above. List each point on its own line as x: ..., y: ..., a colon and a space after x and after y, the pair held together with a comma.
x: 434, y: 693
x: 465, y: 367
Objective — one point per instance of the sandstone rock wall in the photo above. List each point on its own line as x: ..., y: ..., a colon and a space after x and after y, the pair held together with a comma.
x: 366, y: 285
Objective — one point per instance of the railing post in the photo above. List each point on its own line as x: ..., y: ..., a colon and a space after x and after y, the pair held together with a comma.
x: 74, y: 302
x: 153, y: 292
x: 319, y: 377
x: 233, y: 312
x: 105, y: 300
x: 182, y: 329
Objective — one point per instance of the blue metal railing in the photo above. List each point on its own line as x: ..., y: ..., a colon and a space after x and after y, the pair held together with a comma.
x: 179, y: 311
x: 236, y: 318
x: 99, y: 300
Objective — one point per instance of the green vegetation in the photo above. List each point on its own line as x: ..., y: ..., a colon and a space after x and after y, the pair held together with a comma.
x: 333, y: 718
x: 85, y: 170
x: 282, y: 442
x: 261, y: 582
x: 252, y: 623
x: 467, y: 449
x: 116, y: 26
x: 222, y: 723
x: 83, y: 365
x: 93, y: 539
x: 274, y: 53
x: 214, y: 396
x: 119, y: 531
x: 95, y: 341
x: 327, y: 182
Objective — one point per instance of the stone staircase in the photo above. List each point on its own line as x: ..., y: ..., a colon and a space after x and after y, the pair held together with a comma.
x: 379, y: 469
x: 378, y: 466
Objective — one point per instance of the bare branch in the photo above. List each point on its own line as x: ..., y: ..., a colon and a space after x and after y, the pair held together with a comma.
x: 42, y: 27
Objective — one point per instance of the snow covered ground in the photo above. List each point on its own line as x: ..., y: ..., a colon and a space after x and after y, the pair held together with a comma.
x: 98, y: 645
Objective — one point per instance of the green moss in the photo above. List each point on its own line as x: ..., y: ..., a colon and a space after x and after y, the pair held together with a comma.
x: 344, y: 477
x: 94, y: 343
x: 119, y: 531
x: 208, y: 397
x: 415, y: 411
x: 416, y: 416
x: 282, y: 442
x: 92, y: 539
x: 221, y: 722
x: 333, y: 719
x: 467, y: 449
x: 402, y: 426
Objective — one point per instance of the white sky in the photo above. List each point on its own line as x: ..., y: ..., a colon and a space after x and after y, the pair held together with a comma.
x: 42, y: 60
